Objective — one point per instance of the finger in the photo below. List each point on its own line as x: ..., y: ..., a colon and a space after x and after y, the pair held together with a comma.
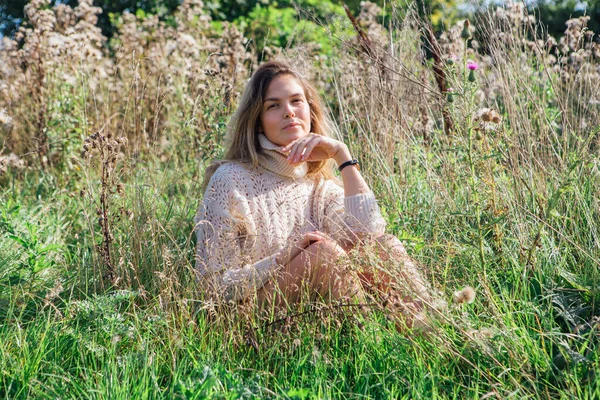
x: 315, y: 236
x: 304, y: 243
x: 296, y: 149
x: 286, y: 148
x: 315, y: 141
x: 308, y: 236
x: 289, y: 146
x: 301, y: 149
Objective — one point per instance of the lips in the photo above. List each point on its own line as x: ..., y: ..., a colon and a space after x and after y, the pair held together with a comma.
x: 292, y: 124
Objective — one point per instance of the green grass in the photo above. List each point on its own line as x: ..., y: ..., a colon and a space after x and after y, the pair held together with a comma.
x: 156, y: 340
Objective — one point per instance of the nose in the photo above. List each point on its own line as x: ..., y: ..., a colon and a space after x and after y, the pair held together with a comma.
x: 288, y: 111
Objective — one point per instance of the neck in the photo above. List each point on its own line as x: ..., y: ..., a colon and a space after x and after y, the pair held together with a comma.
x: 274, y: 160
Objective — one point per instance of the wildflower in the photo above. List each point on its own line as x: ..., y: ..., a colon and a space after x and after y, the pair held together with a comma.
x: 472, y: 66
x: 467, y: 295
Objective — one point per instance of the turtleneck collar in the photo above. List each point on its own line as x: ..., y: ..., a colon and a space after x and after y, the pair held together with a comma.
x: 274, y: 160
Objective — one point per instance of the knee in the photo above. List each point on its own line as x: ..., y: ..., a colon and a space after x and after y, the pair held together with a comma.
x: 325, y: 253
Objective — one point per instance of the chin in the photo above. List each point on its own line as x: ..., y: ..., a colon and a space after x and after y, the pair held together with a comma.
x: 285, y: 138
x: 296, y: 135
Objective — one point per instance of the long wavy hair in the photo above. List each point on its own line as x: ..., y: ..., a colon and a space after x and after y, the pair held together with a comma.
x: 242, y: 133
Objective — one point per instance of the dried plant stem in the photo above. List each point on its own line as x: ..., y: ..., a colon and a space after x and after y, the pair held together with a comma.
x: 37, y: 94
x: 110, y: 275
x: 439, y: 72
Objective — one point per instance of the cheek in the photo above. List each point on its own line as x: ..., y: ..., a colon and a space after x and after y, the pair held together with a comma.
x: 267, y: 120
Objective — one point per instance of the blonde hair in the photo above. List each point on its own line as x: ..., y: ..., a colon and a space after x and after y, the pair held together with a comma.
x: 242, y: 134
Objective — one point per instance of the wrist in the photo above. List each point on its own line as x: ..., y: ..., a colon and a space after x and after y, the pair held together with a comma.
x: 348, y: 163
x: 343, y: 156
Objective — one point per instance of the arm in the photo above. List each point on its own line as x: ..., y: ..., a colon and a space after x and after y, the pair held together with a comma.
x: 318, y: 147
x: 350, y: 215
x: 353, y: 181
x: 349, y: 219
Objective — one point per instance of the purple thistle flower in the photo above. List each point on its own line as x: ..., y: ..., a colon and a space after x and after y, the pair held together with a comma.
x: 472, y: 65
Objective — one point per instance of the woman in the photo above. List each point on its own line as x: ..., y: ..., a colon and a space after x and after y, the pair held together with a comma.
x: 274, y: 223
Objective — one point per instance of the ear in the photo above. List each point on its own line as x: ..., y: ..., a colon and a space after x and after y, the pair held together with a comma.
x: 260, y: 129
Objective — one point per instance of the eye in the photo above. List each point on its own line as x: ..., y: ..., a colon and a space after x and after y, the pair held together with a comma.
x: 272, y: 105
x: 297, y: 101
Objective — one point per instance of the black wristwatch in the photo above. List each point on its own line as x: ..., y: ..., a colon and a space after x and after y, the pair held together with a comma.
x: 354, y: 161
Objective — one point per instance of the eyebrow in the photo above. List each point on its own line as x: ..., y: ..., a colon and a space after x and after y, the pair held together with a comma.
x: 277, y: 99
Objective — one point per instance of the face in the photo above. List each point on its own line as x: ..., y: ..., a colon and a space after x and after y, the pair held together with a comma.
x: 285, y: 114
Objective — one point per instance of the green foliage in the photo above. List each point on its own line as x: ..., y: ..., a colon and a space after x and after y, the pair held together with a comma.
x: 235, y: 9
x: 282, y: 26
x: 554, y: 13
x: 11, y: 16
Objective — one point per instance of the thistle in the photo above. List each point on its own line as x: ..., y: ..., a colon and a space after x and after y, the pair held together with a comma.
x: 472, y: 66
x: 466, y: 33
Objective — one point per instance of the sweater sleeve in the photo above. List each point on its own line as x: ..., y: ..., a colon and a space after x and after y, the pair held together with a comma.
x: 223, y: 231
x: 348, y: 218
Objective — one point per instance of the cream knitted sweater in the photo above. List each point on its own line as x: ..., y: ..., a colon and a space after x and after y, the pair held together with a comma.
x: 249, y: 213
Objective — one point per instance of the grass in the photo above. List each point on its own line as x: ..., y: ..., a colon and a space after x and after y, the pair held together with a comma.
x: 154, y: 341
x: 511, y: 210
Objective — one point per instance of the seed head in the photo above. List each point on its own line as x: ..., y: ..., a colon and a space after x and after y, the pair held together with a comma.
x: 467, y: 295
x: 466, y: 33
x: 489, y: 115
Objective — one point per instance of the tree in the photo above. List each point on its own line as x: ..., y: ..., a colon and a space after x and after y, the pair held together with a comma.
x: 553, y: 14
x: 11, y: 15
x: 11, y: 12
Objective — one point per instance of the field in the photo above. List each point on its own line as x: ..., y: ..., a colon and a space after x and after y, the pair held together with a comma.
x: 481, y: 145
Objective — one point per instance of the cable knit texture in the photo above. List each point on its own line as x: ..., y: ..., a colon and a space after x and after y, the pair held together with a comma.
x: 249, y: 213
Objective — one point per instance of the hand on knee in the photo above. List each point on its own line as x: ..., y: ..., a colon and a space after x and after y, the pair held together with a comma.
x: 326, y: 250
